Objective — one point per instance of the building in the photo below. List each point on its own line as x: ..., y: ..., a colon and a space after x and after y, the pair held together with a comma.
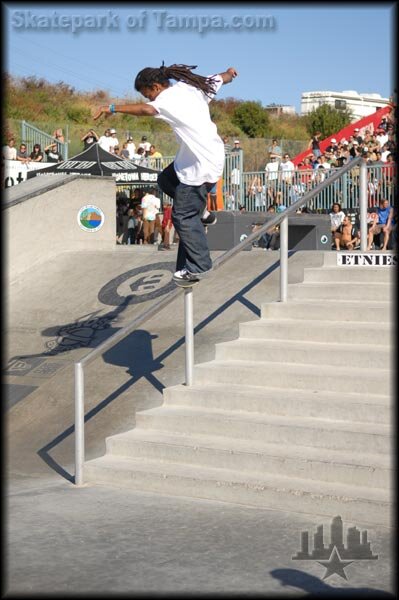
x: 279, y: 109
x: 360, y: 105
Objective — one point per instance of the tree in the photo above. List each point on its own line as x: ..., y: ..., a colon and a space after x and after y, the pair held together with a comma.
x: 252, y: 119
x: 327, y: 120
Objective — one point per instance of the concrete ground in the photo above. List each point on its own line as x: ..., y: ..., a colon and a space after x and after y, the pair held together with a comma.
x: 61, y: 538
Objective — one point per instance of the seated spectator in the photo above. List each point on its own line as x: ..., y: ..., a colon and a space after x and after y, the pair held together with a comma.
x: 124, y: 153
x: 336, y: 215
x: 332, y: 147
x: 271, y: 239
x: 347, y: 235
x: 52, y: 153
x: 381, y: 137
x: 151, y: 205
x: 113, y: 141
x: 116, y: 150
x: 140, y: 158
x: 9, y: 150
x: 89, y: 138
x: 22, y: 154
x: 381, y: 225
x: 37, y: 154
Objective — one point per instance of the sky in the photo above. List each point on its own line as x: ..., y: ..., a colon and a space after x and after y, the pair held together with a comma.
x: 279, y: 50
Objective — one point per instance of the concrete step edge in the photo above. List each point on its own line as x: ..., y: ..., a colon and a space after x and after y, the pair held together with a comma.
x: 218, y: 475
x: 297, y: 344
x: 333, y: 325
x: 275, y: 420
x: 221, y: 443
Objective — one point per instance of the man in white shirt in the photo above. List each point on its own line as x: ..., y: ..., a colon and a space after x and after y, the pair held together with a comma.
x: 131, y: 148
x: 287, y: 169
x: 113, y: 141
x: 9, y: 151
x: 104, y: 140
x: 151, y: 206
x: 145, y: 144
x: 271, y: 170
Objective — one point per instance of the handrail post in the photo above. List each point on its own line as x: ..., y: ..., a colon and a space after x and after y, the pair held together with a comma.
x: 283, y: 259
x: 189, y: 334
x: 79, y: 424
x: 363, y: 205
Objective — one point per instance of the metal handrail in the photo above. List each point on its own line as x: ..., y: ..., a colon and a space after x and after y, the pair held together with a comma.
x: 280, y: 219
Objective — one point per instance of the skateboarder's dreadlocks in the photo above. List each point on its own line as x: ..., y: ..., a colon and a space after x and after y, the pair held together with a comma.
x: 148, y: 76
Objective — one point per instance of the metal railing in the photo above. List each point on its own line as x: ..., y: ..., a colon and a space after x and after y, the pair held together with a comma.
x: 280, y: 219
x: 31, y: 135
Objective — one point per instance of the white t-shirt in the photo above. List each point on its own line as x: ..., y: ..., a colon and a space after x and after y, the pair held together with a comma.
x: 104, y: 142
x: 9, y: 153
x: 112, y: 141
x: 153, y: 206
x: 145, y: 145
x: 272, y: 170
x: 287, y: 169
x: 131, y: 148
x: 337, y: 218
x: 200, y: 157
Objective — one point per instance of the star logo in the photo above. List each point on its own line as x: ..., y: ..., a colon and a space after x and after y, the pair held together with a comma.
x: 335, y: 565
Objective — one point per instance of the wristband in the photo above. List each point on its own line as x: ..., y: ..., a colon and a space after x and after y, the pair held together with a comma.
x: 112, y: 108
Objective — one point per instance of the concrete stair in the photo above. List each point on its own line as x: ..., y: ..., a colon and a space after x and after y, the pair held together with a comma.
x: 294, y: 415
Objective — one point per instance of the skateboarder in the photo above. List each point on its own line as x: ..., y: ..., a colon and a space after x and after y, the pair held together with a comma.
x: 199, y: 161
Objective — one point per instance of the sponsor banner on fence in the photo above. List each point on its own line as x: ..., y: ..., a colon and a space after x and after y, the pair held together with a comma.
x: 367, y: 259
x: 16, y: 171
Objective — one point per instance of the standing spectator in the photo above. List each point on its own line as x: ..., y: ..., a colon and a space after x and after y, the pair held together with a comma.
x: 140, y: 158
x: 9, y: 150
x: 314, y: 144
x: 323, y: 163
x: 145, y: 144
x: 52, y: 153
x: 131, y: 147
x: 37, y: 154
x: 151, y: 206
x: 113, y: 141
x: 275, y: 150
x: 357, y: 136
x: 59, y: 136
x: 271, y: 170
x: 153, y: 152
x: 287, y: 169
x: 131, y: 226
x: 381, y: 137
x: 227, y: 146
x: 237, y: 146
x: 104, y: 142
x: 89, y: 138
x: 167, y: 225
x: 22, y: 154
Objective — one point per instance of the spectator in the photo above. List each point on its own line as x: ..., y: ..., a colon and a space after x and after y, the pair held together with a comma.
x: 270, y: 240
x: 332, y: 147
x: 37, y: 154
x: 139, y: 239
x: 113, y: 141
x: 9, y: 150
x: 153, y: 152
x: 89, y: 138
x: 271, y: 169
x: 346, y: 235
x: 131, y: 147
x: 22, y: 154
x: 383, y: 123
x: 52, y: 153
x: 167, y: 225
x: 227, y: 146
x: 59, y: 136
x: 257, y: 190
x: 314, y: 144
x: 381, y: 225
x: 275, y: 150
x: 151, y: 206
x: 237, y: 146
x: 145, y: 144
x: 213, y: 199
x: 287, y: 169
x: 323, y: 163
x: 104, y: 141
x: 357, y: 137
x: 116, y: 150
x: 131, y: 226
x: 140, y: 158
x: 125, y: 151
x: 336, y: 215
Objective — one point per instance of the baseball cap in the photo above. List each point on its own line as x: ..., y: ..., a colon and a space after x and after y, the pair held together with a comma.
x: 356, y: 129
x: 355, y: 143
x: 112, y: 130
x: 333, y: 141
x: 236, y: 141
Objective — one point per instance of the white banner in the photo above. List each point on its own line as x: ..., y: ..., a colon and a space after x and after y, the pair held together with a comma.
x: 367, y: 260
x: 16, y: 171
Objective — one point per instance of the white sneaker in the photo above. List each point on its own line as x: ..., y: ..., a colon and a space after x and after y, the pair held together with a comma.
x: 184, y: 279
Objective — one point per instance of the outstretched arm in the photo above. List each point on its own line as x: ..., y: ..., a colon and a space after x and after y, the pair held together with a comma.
x: 138, y: 110
x: 228, y: 75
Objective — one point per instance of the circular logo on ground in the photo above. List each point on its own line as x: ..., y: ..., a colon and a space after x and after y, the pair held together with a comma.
x: 90, y: 218
x: 324, y: 239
